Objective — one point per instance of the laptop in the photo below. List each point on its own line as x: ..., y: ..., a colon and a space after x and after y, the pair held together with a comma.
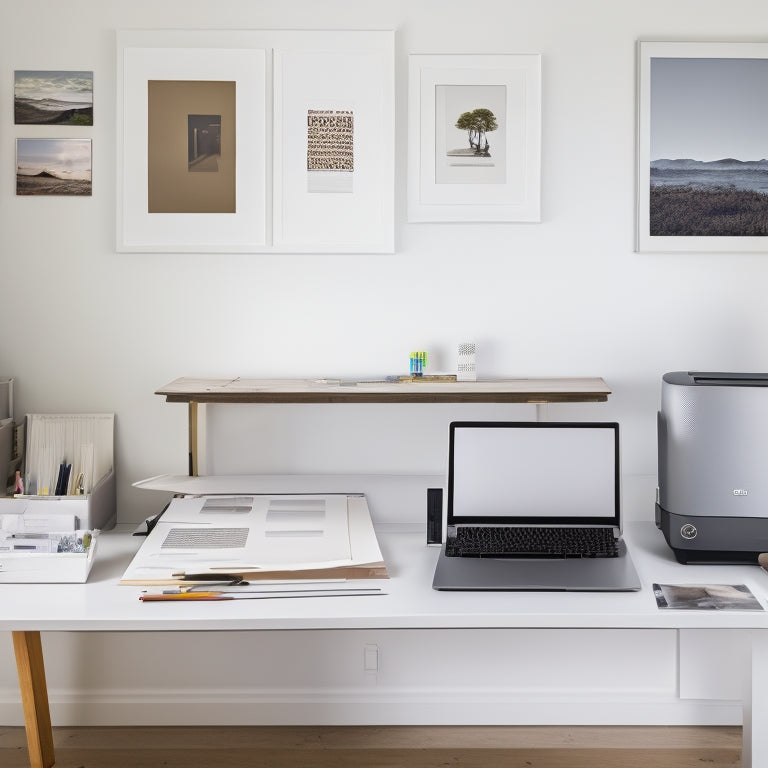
x: 547, y: 480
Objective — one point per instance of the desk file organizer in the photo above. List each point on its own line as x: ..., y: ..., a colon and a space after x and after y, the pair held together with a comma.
x: 7, y: 431
x: 72, y: 454
x: 85, y: 443
x: 47, y: 568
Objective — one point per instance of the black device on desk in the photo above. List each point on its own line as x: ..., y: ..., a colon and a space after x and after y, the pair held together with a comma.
x: 534, y: 506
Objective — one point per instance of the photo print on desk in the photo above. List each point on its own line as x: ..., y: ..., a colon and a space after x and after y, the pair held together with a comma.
x: 44, y: 97
x: 191, y: 146
x: 53, y: 167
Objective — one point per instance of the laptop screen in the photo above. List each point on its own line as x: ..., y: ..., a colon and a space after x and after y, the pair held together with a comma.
x: 534, y: 472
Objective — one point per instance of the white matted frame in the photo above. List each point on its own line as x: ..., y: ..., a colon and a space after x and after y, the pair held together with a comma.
x: 702, y: 116
x: 504, y: 183
x: 191, y: 56
x: 280, y: 76
x: 349, y: 73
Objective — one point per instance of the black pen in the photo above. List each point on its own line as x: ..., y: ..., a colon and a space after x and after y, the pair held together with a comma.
x: 233, y: 578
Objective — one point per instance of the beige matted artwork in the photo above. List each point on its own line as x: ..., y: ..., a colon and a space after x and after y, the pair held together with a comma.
x: 330, y: 150
x: 191, y: 146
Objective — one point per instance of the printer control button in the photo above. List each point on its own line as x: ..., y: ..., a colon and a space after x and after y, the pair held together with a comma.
x: 688, y: 531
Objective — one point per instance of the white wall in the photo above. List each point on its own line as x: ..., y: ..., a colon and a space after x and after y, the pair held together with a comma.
x: 86, y: 328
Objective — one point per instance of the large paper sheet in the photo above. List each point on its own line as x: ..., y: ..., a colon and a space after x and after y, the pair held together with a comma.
x: 298, y: 534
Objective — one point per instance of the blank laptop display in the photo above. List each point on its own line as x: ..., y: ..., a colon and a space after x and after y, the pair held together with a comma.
x: 534, y: 506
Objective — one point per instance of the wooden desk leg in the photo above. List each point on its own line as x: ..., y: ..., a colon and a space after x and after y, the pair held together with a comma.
x: 34, y: 696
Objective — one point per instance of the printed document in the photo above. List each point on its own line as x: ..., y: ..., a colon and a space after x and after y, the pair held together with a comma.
x: 259, y: 535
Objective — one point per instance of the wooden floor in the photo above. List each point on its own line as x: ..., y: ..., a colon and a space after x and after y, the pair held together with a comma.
x: 385, y: 747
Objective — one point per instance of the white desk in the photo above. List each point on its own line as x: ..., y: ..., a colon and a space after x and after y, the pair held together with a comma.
x: 411, y: 603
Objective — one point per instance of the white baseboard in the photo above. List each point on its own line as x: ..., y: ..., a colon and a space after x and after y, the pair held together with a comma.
x: 369, y: 707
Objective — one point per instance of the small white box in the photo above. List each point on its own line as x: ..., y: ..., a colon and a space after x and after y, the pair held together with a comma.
x: 45, y: 568
x: 466, y: 365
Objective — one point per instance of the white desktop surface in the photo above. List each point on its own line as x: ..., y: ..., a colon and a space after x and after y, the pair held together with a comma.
x: 410, y: 603
x: 104, y: 605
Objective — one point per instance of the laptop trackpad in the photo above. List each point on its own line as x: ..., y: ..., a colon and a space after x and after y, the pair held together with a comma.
x: 572, y: 574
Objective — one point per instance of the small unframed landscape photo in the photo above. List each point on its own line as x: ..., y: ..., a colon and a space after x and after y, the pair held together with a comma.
x: 53, y: 167
x: 45, y: 97
x: 706, y: 597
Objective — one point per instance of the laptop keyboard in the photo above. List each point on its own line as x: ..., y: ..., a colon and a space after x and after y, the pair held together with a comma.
x: 490, y: 541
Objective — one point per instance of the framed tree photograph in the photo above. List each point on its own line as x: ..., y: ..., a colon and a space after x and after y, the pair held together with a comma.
x: 474, y: 138
x: 702, y: 150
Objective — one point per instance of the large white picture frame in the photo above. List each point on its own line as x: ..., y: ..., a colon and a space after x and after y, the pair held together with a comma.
x: 493, y: 178
x: 314, y: 156
x: 701, y: 170
x: 145, y: 56
x: 356, y: 211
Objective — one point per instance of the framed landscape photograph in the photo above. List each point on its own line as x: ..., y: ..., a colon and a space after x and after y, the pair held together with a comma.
x: 702, y: 150
x: 474, y: 141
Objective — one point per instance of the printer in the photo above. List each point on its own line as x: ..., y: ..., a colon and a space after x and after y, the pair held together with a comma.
x: 712, y: 498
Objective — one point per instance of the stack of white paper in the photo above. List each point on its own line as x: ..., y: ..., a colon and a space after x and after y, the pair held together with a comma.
x: 81, y: 445
x: 7, y: 467
x: 260, y: 537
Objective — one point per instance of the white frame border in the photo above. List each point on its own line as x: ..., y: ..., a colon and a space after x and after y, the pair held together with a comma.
x: 471, y: 202
x: 175, y: 55
x: 343, y: 70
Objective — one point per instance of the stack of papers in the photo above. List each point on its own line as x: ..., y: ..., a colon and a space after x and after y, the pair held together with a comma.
x: 259, y: 537
x: 67, y: 454
x: 7, y: 430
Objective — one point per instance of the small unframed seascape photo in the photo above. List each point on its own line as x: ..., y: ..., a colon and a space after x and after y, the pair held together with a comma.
x: 53, y: 167
x: 44, y: 97
x: 706, y: 597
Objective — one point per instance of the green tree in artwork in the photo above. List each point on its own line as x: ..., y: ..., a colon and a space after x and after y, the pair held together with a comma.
x: 466, y: 123
x: 485, y: 121
x: 478, y: 123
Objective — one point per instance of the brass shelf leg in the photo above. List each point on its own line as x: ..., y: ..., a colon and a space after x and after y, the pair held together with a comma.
x: 193, y: 448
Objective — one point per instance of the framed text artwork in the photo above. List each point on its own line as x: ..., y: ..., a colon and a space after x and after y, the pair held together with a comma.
x: 334, y: 145
x: 702, y: 168
x: 474, y: 138
x: 256, y: 141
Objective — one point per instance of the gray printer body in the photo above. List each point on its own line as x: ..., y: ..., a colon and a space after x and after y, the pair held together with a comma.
x: 712, y: 503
